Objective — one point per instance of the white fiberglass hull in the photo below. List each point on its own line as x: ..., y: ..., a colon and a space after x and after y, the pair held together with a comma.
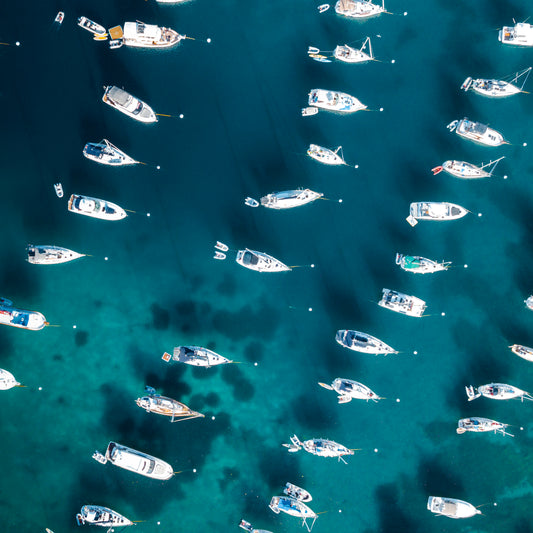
x: 348, y: 389
x: 463, y: 169
x: 451, y: 507
x: 362, y: 342
x: 358, y: 9
x: 420, y: 265
x: 335, y: 101
x: 50, y: 255
x: 402, y: 303
x: 7, y: 380
x: 437, y: 211
x: 525, y: 352
x: 325, y: 155
x: 95, y: 208
x: 21, y: 318
x: 479, y: 133
x: 519, y: 35
x: 260, y: 261
x: 129, y: 105
x: 97, y: 515
x: 196, y: 356
x: 290, y: 199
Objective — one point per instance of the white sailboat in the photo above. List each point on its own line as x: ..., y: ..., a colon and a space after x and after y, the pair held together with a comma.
x: 465, y: 170
x: 7, y: 380
x: 348, y: 390
x: 402, y: 303
x: 327, y: 156
x: 521, y: 34
x: 335, y: 101
x: 451, y: 507
x: 498, y: 88
x: 108, y: 154
x: 319, y: 447
x: 196, y: 356
x: 348, y: 54
x: 45, y: 254
x: 359, y: 8
x: 525, y: 352
x: 293, y: 507
x: 95, y: 208
x: 141, y: 35
x: 290, y: 199
x: 162, y: 405
x: 98, y: 515
x: 260, y: 261
x: 362, y: 342
x: 477, y: 424
x: 434, y: 211
x: 420, y: 265
x: 477, y: 132
x: 497, y: 391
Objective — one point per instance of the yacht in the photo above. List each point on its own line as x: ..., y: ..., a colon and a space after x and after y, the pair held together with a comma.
x: 290, y: 199
x: 248, y: 527
x: 420, y: 265
x: 144, y: 35
x: 135, y: 461
x: 435, y: 211
x: 260, y: 261
x: 161, y: 405
x: 320, y: 447
x: 7, y: 380
x: 128, y: 104
x: 359, y: 8
x: 451, y: 507
x: 325, y: 155
x: 478, y: 424
x: 477, y: 132
x: 93, y: 27
x: 195, y: 356
x: 349, y: 390
x: 96, y: 208
x: 349, y: 54
x: 20, y: 318
x: 402, y: 303
x: 335, y: 101
x: 362, y: 342
x: 525, y: 352
x: 497, y: 391
x: 297, y: 492
x: 521, y: 34
x: 45, y: 254
x: 529, y: 302
x: 462, y: 169
x: 96, y: 515
x: 108, y: 154
x: 497, y: 88
x: 293, y: 507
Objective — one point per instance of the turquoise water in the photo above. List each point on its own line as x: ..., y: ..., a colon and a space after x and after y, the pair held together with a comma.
x: 242, y: 135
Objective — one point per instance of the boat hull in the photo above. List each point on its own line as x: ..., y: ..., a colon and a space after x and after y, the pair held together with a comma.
x: 462, y: 169
x: 335, y: 101
x: 101, y: 516
x: 138, y: 462
x: 451, y: 507
x: 7, y: 380
x: 259, y: 261
x: 50, y: 255
x: 525, y: 352
x: 402, y: 303
x: 21, y: 318
x: 437, y: 211
x: 95, y: 208
x: 290, y: 199
x: 129, y: 105
x: 362, y: 342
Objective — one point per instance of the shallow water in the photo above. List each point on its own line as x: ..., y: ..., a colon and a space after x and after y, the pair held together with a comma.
x: 242, y: 135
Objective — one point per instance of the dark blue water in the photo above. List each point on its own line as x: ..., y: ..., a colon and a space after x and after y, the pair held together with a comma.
x: 242, y: 135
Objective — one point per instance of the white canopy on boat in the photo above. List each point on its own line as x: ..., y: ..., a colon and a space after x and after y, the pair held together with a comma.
x: 135, y: 30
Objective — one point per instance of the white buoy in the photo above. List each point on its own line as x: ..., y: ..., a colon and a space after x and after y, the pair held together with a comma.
x: 393, y: 61
x: 340, y: 200
x: 159, y: 523
x: 310, y: 309
x: 17, y: 43
x: 415, y: 353
x: 106, y: 258
x: 375, y: 450
x: 397, y: 400
x: 356, y: 166
x: 312, y: 266
x: 405, y: 13
x: 521, y: 429
x: 212, y: 418
x: 181, y: 116
x: 40, y: 388
x: 147, y: 214
x: 381, y: 109
x: 158, y: 167
x: 340, y: 510
x: 208, y: 39
x: 74, y: 326
x: 480, y: 214
x: 255, y: 364
x: 443, y: 314
x: 525, y: 144
x: 495, y: 504
x: 466, y: 266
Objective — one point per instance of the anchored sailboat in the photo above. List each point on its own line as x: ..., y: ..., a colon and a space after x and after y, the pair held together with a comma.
x: 465, y: 170
x: 498, y: 88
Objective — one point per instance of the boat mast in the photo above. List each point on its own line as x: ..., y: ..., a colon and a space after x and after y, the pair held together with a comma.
x: 495, y: 163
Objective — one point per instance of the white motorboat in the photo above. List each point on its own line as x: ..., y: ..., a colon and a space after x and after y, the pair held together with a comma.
x: 297, y: 492
x: 477, y: 132
x: 135, y: 461
x: 334, y: 101
x: 251, y: 202
x: 20, y: 318
x: 497, y: 391
x: 143, y: 35
x: 60, y: 17
x: 359, y: 8
x: 525, y: 352
x: 498, y: 88
x: 290, y: 199
x: 260, y: 261
x: 325, y: 155
x: 362, y: 342
x: 45, y: 254
x: 478, y: 424
x: 529, y: 302
x: 7, y: 380
x: 195, y: 356
x: 402, y: 303
x: 349, y: 390
x: 128, y: 104
x: 58, y: 188
x: 320, y: 447
x: 96, y: 208
x: 93, y: 27
x: 435, y: 211
x: 462, y: 169
x: 451, y: 507
x: 420, y: 265
x: 108, y: 154
x: 293, y: 507
x: 323, y: 8
x: 248, y: 527
x: 308, y: 111
x: 161, y: 405
x: 96, y: 515
x: 521, y: 34
x: 348, y: 54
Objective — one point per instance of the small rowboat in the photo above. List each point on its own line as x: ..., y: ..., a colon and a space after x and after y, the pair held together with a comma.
x: 252, y: 202
x: 59, y: 190
x: 297, y: 492
x: 322, y: 8
x: 308, y: 111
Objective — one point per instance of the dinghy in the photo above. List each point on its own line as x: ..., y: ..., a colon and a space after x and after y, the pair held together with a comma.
x: 323, y: 8
x: 252, y: 202
x: 248, y: 527
x: 58, y: 188
x: 297, y: 492
x: 309, y: 111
